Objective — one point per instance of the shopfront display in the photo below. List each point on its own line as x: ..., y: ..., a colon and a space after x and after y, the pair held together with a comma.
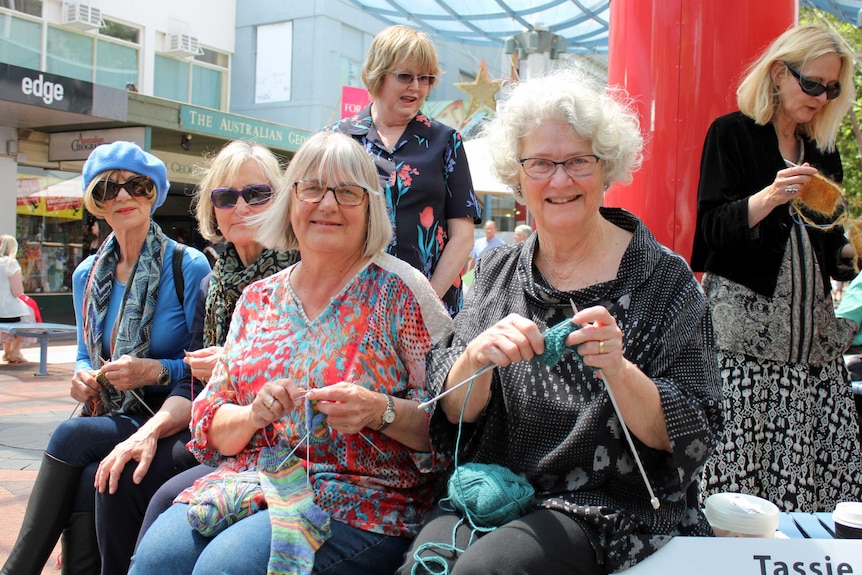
x: 50, y: 228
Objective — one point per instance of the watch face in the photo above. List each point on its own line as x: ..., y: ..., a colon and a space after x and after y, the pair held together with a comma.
x: 389, y: 416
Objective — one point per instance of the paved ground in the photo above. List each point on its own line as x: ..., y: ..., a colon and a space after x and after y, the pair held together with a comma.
x: 30, y: 408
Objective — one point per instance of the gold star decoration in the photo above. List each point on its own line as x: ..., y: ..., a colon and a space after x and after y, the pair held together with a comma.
x: 481, y: 91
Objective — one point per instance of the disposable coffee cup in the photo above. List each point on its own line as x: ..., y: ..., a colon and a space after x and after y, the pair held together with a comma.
x: 741, y: 515
x: 848, y: 520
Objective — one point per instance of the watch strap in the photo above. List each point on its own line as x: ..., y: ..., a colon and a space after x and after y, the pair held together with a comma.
x: 390, y: 408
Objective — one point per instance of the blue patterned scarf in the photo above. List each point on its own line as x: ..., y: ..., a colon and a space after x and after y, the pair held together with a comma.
x: 130, y: 334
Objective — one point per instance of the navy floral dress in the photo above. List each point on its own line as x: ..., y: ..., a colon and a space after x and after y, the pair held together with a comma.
x: 426, y: 181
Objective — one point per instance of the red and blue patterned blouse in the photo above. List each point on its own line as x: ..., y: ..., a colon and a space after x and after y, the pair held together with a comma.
x: 375, y: 333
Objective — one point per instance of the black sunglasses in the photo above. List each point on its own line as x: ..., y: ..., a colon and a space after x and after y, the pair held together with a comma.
x: 255, y: 195
x: 140, y: 186
x: 813, y: 88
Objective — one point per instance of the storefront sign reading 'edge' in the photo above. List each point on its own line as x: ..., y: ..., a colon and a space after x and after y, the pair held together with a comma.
x: 234, y: 127
x: 46, y: 90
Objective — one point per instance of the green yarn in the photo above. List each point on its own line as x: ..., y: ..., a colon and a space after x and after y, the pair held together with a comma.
x: 489, y: 495
x: 555, y: 342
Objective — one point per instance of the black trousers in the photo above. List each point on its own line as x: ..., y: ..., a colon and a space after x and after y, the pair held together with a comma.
x: 541, y: 542
x: 119, y: 516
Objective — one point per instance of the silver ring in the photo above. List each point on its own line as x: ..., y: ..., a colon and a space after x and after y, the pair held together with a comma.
x: 601, y: 347
x: 790, y: 190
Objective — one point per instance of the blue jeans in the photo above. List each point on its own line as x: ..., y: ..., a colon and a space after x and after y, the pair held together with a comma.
x: 83, y: 442
x: 172, y: 547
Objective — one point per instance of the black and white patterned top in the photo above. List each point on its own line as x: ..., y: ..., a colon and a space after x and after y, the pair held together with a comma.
x: 557, y: 427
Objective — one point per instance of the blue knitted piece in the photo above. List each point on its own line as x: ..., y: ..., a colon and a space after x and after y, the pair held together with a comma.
x: 555, y: 345
x: 318, y: 429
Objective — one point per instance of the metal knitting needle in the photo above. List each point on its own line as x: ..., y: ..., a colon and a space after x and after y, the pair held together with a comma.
x: 478, y: 372
x: 652, y: 498
x: 133, y: 392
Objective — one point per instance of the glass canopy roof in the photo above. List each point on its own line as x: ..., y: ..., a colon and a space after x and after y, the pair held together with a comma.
x: 583, y: 23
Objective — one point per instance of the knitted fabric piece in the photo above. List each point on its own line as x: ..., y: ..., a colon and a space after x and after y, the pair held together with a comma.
x: 555, y: 342
x: 299, y: 527
x: 220, y: 501
x: 318, y: 429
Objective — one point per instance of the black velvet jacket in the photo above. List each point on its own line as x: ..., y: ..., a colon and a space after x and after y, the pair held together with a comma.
x: 739, y: 159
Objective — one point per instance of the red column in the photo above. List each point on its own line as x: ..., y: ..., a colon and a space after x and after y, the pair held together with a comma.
x: 681, y: 61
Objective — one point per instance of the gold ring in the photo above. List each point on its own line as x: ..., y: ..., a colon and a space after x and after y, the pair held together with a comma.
x: 602, y: 346
x: 271, y: 402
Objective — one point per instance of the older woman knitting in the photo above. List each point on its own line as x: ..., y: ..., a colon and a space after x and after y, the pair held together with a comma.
x: 325, y: 359
x: 642, y: 332
x: 132, y: 330
x: 235, y: 186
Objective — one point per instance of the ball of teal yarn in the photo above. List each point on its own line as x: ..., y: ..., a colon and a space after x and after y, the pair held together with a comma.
x: 555, y: 342
x: 490, y: 495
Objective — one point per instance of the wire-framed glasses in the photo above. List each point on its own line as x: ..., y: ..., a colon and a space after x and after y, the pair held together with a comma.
x: 576, y: 167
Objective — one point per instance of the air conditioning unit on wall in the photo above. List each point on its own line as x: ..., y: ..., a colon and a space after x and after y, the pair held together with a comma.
x: 81, y: 16
x: 183, y: 44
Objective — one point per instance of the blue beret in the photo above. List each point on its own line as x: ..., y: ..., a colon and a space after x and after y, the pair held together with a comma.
x: 130, y: 157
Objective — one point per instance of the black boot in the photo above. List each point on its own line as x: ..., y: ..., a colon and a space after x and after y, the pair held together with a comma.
x: 47, y: 514
x: 80, y: 548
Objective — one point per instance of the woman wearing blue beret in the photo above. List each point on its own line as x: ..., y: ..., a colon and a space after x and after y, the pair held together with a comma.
x: 134, y: 321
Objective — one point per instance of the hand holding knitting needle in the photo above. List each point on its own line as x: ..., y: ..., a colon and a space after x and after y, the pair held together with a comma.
x: 275, y: 399
x: 514, y: 338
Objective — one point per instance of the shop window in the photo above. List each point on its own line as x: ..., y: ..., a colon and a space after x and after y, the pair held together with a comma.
x: 31, y: 7
x: 206, y: 87
x: 212, y: 57
x: 116, y: 65
x: 274, y: 55
x: 69, y: 54
x: 19, y: 41
x: 50, y: 228
x: 171, y: 79
x: 120, y: 31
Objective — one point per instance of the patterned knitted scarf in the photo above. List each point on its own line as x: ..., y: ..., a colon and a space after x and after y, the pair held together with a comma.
x: 130, y: 333
x: 229, y: 278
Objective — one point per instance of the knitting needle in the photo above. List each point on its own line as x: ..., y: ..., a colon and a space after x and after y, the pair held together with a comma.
x: 478, y: 372
x: 133, y: 392
x: 652, y: 498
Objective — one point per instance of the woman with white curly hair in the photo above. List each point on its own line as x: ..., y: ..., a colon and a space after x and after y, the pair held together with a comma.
x: 642, y: 335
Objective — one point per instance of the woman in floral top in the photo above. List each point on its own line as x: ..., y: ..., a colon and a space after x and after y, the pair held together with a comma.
x: 336, y: 345
x: 421, y: 164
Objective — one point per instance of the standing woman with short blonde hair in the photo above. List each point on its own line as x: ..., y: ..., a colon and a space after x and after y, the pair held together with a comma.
x: 421, y: 164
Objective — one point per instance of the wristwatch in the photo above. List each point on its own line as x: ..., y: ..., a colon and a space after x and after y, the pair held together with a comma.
x: 164, y: 376
x: 388, y: 415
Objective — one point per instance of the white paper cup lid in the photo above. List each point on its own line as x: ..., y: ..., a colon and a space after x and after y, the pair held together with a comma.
x: 741, y: 513
x: 848, y: 513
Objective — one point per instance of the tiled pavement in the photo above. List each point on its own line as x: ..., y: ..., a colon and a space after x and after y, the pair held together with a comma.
x: 30, y: 408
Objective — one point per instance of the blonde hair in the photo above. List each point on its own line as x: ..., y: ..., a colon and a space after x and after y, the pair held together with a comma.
x: 396, y: 46
x: 97, y: 207
x: 222, y: 169
x: 568, y: 96
x: 8, y: 246
x: 757, y: 95
x: 328, y: 157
